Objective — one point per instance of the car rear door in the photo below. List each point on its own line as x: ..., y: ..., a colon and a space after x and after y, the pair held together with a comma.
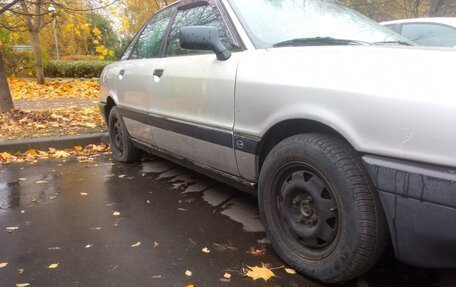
x: 135, y: 75
x: 192, y: 107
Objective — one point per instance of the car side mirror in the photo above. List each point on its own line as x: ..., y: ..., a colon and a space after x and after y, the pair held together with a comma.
x: 203, y: 38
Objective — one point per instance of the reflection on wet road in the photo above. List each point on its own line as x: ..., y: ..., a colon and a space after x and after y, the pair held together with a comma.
x: 86, y: 217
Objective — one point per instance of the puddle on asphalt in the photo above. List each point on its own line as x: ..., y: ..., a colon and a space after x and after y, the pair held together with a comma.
x: 4, y: 195
x: 217, y: 195
x: 245, y: 213
x: 172, y: 173
x: 199, y: 185
x: 182, y: 181
x: 237, y: 208
x: 156, y: 166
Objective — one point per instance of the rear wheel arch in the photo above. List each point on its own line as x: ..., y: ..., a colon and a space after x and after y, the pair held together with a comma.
x: 110, y: 103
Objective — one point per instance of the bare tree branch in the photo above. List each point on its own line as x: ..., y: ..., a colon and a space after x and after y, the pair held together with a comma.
x: 8, y: 6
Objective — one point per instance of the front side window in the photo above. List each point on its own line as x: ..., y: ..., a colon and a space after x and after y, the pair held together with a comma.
x: 149, y: 41
x: 428, y: 34
x: 196, y: 16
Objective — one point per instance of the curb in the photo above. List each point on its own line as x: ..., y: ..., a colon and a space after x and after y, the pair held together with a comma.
x: 63, y: 142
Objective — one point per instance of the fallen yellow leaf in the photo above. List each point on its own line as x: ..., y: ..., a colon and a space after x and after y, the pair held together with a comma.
x: 20, y: 270
x: 257, y: 272
x: 290, y: 271
x: 206, y: 250
x: 188, y: 273
x: 32, y: 152
x: 41, y: 181
x: 83, y: 193
x: 53, y: 266
x: 136, y: 244
x: 227, y: 275
x: 22, y: 284
x: 5, y: 155
x: 61, y: 154
x: 116, y: 213
x: 3, y: 264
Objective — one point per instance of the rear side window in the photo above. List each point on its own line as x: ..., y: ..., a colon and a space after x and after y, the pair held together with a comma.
x: 195, y: 16
x: 428, y: 34
x: 148, y: 44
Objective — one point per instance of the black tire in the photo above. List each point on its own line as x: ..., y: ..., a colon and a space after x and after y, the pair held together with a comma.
x: 320, y: 209
x: 121, y: 144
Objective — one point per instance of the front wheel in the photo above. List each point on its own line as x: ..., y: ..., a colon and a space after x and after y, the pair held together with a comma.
x: 320, y: 209
x: 121, y: 144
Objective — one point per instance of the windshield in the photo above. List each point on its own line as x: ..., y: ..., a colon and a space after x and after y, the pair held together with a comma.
x: 269, y: 22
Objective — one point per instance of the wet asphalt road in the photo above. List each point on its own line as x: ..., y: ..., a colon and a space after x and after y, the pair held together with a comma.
x: 68, y: 218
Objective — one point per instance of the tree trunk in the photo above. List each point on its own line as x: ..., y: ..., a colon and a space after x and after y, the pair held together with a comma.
x: 36, y: 47
x: 6, y: 101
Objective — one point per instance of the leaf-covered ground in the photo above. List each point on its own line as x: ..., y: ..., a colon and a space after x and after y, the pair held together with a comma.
x: 82, y: 154
x: 28, y: 89
x: 60, y: 107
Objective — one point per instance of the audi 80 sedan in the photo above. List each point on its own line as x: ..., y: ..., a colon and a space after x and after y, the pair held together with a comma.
x: 344, y: 129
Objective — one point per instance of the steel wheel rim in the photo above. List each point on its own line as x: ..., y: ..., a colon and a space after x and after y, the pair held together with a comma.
x: 307, y: 209
x: 117, y: 137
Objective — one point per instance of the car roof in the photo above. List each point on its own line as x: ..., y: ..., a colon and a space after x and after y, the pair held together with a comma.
x: 440, y: 20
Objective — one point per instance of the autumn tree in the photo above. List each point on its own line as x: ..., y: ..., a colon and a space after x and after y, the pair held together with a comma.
x: 33, y: 15
x: 104, y: 40
x: 137, y: 12
x: 6, y: 101
x: 382, y: 10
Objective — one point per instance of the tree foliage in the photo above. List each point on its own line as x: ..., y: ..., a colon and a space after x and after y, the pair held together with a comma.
x: 382, y: 10
x: 137, y: 12
x: 77, y: 27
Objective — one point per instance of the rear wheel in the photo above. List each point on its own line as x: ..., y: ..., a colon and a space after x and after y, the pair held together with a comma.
x: 320, y: 209
x: 121, y: 144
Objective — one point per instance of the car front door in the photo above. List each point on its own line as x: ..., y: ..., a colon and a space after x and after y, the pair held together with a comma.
x: 135, y: 75
x: 192, y: 107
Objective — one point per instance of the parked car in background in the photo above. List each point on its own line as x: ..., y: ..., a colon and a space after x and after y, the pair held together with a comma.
x: 426, y: 31
x: 330, y: 118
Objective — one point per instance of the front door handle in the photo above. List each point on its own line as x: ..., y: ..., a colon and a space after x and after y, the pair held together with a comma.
x: 121, y: 74
x: 158, y: 73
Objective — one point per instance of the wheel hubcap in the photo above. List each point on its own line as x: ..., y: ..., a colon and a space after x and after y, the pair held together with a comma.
x: 308, y: 208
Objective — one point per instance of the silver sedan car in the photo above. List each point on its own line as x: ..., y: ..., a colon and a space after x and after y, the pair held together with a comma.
x: 344, y: 130
x: 436, y: 31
